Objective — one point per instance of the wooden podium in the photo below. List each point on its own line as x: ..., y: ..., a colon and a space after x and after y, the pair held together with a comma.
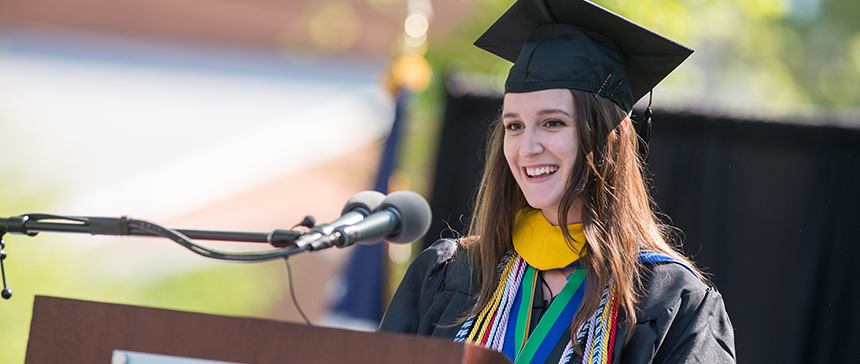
x: 74, y: 331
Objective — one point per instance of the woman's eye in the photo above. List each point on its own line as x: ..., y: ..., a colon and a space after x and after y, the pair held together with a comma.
x: 514, y: 126
x: 554, y: 123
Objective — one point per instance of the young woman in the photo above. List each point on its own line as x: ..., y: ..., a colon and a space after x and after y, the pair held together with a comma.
x: 607, y: 288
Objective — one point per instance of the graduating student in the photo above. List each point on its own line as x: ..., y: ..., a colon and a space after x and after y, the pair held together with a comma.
x: 565, y: 260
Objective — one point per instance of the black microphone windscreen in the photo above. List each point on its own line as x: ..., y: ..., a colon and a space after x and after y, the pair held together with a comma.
x: 415, y: 215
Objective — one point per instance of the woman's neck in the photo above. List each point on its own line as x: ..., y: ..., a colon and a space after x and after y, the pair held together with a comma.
x: 574, y: 214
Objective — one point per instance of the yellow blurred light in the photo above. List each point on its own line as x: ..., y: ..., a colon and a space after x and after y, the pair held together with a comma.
x: 412, y: 71
x: 335, y: 26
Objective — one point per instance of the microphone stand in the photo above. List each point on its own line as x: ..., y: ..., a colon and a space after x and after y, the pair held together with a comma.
x: 32, y: 224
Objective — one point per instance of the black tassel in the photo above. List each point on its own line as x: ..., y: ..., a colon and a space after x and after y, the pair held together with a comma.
x: 645, y: 129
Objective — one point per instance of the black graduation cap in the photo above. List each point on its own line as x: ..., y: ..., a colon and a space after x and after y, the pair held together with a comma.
x: 579, y: 45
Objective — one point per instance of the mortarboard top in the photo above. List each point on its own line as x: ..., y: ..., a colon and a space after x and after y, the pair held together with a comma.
x: 580, y: 45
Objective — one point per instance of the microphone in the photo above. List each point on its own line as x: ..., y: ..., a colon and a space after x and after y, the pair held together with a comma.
x: 357, y: 207
x: 401, y: 218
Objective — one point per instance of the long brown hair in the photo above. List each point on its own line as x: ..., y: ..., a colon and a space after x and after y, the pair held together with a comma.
x: 617, y: 216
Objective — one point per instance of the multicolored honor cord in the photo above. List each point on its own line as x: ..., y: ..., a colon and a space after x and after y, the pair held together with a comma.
x: 503, y: 324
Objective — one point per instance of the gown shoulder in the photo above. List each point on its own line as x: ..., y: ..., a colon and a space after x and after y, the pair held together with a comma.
x: 679, y: 319
x: 435, y: 294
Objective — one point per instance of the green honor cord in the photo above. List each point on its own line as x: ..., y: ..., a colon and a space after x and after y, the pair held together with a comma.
x: 532, y: 342
x: 524, y: 316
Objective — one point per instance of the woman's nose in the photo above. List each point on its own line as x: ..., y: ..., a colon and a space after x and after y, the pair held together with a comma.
x: 531, y: 143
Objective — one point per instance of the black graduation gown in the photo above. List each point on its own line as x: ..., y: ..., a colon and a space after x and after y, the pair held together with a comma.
x: 679, y: 318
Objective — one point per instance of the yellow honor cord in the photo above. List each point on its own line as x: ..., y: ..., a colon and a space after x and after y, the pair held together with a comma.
x: 604, y: 321
x: 482, y: 325
x: 541, y: 244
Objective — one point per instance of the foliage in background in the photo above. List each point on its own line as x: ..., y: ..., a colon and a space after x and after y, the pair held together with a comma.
x: 749, y: 53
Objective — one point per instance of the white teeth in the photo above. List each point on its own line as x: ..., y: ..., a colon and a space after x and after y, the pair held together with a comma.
x: 534, y: 172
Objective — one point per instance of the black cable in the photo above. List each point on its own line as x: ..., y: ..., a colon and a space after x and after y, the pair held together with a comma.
x: 183, y: 240
x: 293, y: 292
x: 546, y: 301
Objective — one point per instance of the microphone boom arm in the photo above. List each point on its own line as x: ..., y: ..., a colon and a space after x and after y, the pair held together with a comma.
x: 31, y: 224
x: 368, y: 216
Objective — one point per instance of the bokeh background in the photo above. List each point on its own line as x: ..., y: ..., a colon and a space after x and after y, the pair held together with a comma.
x: 249, y: 115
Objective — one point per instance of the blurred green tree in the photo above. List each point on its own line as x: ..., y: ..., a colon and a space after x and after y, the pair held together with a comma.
x: 783, y: 55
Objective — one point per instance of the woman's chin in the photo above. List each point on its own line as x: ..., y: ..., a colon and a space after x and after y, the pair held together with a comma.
x: 543, y: 204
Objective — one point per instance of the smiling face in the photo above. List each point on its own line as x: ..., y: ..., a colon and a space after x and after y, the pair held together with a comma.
x: 541, y: 144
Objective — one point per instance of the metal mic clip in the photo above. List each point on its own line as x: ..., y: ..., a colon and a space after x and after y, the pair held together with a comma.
x: 7, y: 293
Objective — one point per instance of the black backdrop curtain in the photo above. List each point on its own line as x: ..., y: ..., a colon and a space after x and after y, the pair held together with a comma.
x: 770, y: 209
